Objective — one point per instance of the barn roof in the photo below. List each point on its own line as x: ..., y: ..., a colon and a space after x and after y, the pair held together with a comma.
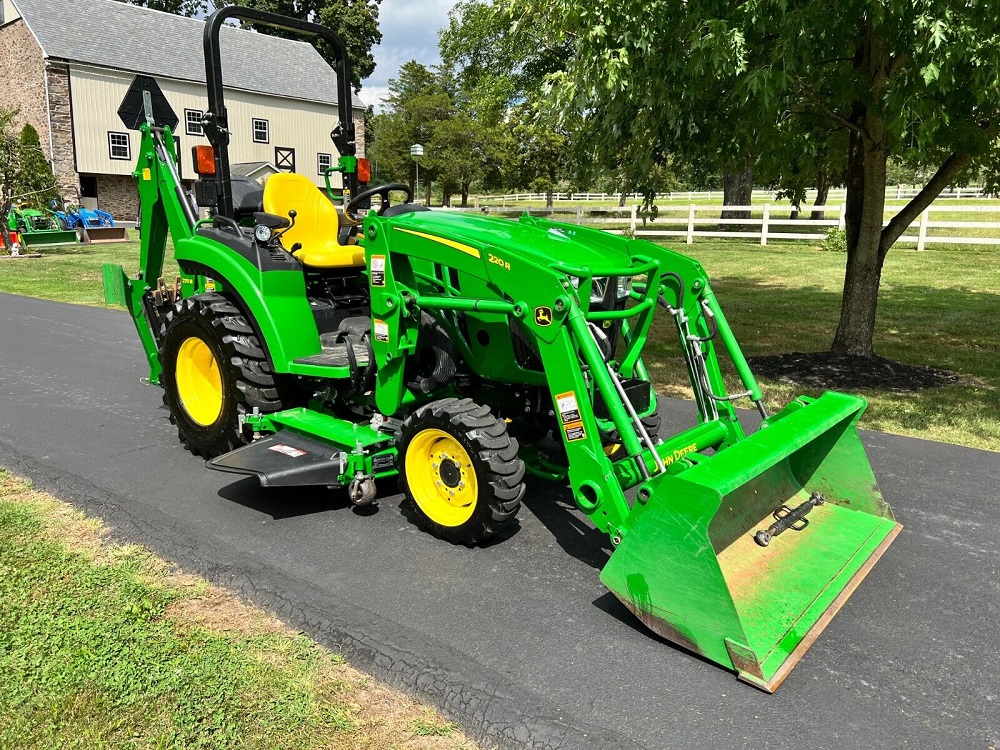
x: 127, y: 37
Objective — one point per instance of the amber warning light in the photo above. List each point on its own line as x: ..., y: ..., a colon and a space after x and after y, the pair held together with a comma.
x: 204, y: 160
x: 364, y: 170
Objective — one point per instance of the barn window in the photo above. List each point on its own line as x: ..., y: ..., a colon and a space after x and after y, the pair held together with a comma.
x: 192, y: 122
x: 324, y: 162
x: 261, y: 131
x: 119, y: 146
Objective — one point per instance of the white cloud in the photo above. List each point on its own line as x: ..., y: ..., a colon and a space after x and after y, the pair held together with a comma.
x: 409, y: 32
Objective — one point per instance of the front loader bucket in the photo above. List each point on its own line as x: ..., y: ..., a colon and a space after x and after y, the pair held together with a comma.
x: 49, y: 237
x: 690, y: 569
x: 97, y: 235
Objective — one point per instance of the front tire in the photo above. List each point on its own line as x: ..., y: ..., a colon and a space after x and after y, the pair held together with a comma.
x: 459, y: 470
x: 214, y: 371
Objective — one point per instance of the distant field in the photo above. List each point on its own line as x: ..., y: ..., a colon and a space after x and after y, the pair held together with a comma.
x: 938, y: 307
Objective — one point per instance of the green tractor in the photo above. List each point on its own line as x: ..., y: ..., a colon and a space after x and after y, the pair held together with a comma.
x: 38, y: 228
x: 310, y: 345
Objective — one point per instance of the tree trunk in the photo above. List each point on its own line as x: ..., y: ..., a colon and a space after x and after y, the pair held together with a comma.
x: 428, y: 193
x: 822, y: 193
x: 865, y: 206
x: 465, y: 195
x: 548, y: 197
x: 621, y: 199
x: 737, y: 190
x: 8, y: 243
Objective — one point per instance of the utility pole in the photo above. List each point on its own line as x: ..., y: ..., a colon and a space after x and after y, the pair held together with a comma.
x: 416, y: 151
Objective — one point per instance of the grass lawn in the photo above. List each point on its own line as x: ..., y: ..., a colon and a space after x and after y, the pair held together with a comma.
x: 106, y: 646
x: 938, y: 307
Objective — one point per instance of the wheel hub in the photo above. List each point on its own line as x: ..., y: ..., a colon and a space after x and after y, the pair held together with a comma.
x: 451, y: 472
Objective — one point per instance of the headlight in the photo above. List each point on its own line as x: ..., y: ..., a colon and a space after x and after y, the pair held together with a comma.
x: 599, y: 289
x: 624, y: 287
x: 262, y: 233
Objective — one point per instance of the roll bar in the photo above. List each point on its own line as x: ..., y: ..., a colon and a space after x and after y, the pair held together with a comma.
x: 216, y: 121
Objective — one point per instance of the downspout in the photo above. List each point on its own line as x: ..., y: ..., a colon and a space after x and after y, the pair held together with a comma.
x: 48, y: 114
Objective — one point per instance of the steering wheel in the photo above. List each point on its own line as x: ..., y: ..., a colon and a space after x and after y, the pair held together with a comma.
x: 382, y: 190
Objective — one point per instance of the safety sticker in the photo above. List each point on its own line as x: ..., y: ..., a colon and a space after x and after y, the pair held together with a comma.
x: 147, y: 174
x: 575, y: 431
x: 378, y: 270
x: 381, y: 331
x: 569, y: 410
x: 287, y: 450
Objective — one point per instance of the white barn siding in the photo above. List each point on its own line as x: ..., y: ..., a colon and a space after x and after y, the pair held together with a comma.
x: 97, y: 93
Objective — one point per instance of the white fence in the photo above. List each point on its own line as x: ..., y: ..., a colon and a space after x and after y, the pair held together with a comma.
x: 769, y: 226
x: 892, y: 193
x: 769, y: 222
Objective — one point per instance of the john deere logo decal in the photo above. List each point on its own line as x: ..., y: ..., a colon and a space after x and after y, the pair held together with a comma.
x: 543, y: 316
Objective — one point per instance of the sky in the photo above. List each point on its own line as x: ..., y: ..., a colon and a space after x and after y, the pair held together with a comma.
x: 409, y: 32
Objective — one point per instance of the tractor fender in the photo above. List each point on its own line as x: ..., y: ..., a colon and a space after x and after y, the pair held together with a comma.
x: 274, y: 302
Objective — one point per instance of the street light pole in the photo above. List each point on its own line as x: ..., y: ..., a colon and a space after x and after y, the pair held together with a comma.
x: 416, y: 151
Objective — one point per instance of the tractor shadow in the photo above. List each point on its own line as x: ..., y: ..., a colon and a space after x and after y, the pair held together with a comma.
x: 292, y: 502
x: 552, y: 504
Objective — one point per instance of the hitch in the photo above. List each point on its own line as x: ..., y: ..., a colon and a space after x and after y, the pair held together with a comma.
x: 788, y: 519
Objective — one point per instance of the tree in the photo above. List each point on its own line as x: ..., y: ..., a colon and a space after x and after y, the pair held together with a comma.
x: 37, y: 183
x: 177, y: 7
x: 916, y: 78
x: 25, y: 173
x: 537, y: 154
x: 355, y: 21
x: 424, y: 106
x: 10, y: 171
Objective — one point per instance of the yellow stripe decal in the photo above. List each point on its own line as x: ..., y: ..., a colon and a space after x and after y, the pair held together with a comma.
x: 450, y: 243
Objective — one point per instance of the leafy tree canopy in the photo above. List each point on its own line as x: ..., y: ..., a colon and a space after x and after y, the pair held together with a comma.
x: 25, y: 173
x: 36, y: 182
x: 177, y: 7
x: 794, y: 84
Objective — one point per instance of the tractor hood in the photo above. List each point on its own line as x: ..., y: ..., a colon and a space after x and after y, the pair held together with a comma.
x: 535, y: 239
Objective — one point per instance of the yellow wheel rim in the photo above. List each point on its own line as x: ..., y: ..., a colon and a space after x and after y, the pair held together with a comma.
x: 441, y: 477
x: 199, y: 382
x: 611, y: 449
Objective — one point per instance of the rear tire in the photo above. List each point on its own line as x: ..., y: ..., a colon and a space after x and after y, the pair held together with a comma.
x: 459, y: 470
x: 214, y: 371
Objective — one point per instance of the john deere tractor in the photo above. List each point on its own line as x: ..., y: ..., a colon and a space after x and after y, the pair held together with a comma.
x: 311, y: 340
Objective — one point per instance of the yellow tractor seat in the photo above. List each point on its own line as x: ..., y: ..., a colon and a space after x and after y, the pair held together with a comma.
x: 316, y: 222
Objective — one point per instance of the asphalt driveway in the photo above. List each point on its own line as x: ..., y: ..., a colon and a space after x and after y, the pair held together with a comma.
x: 518, y: 641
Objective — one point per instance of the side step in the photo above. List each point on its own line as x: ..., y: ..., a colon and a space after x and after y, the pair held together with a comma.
x: 285, y: 460
x: 336, y: 355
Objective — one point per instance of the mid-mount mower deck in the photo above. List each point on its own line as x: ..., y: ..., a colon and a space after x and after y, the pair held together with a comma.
x: 305, y: 345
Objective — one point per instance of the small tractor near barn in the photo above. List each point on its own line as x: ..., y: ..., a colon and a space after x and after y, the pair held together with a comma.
x: 39, y: 228
x: 307, y: 344
x: 92, y: 225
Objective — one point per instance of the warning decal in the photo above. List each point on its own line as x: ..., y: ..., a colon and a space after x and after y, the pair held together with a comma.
x: 575, y: 431
x: 377, y: 271
x: 569, y: 410
x: 287, y: 450
x: 381, y: 330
